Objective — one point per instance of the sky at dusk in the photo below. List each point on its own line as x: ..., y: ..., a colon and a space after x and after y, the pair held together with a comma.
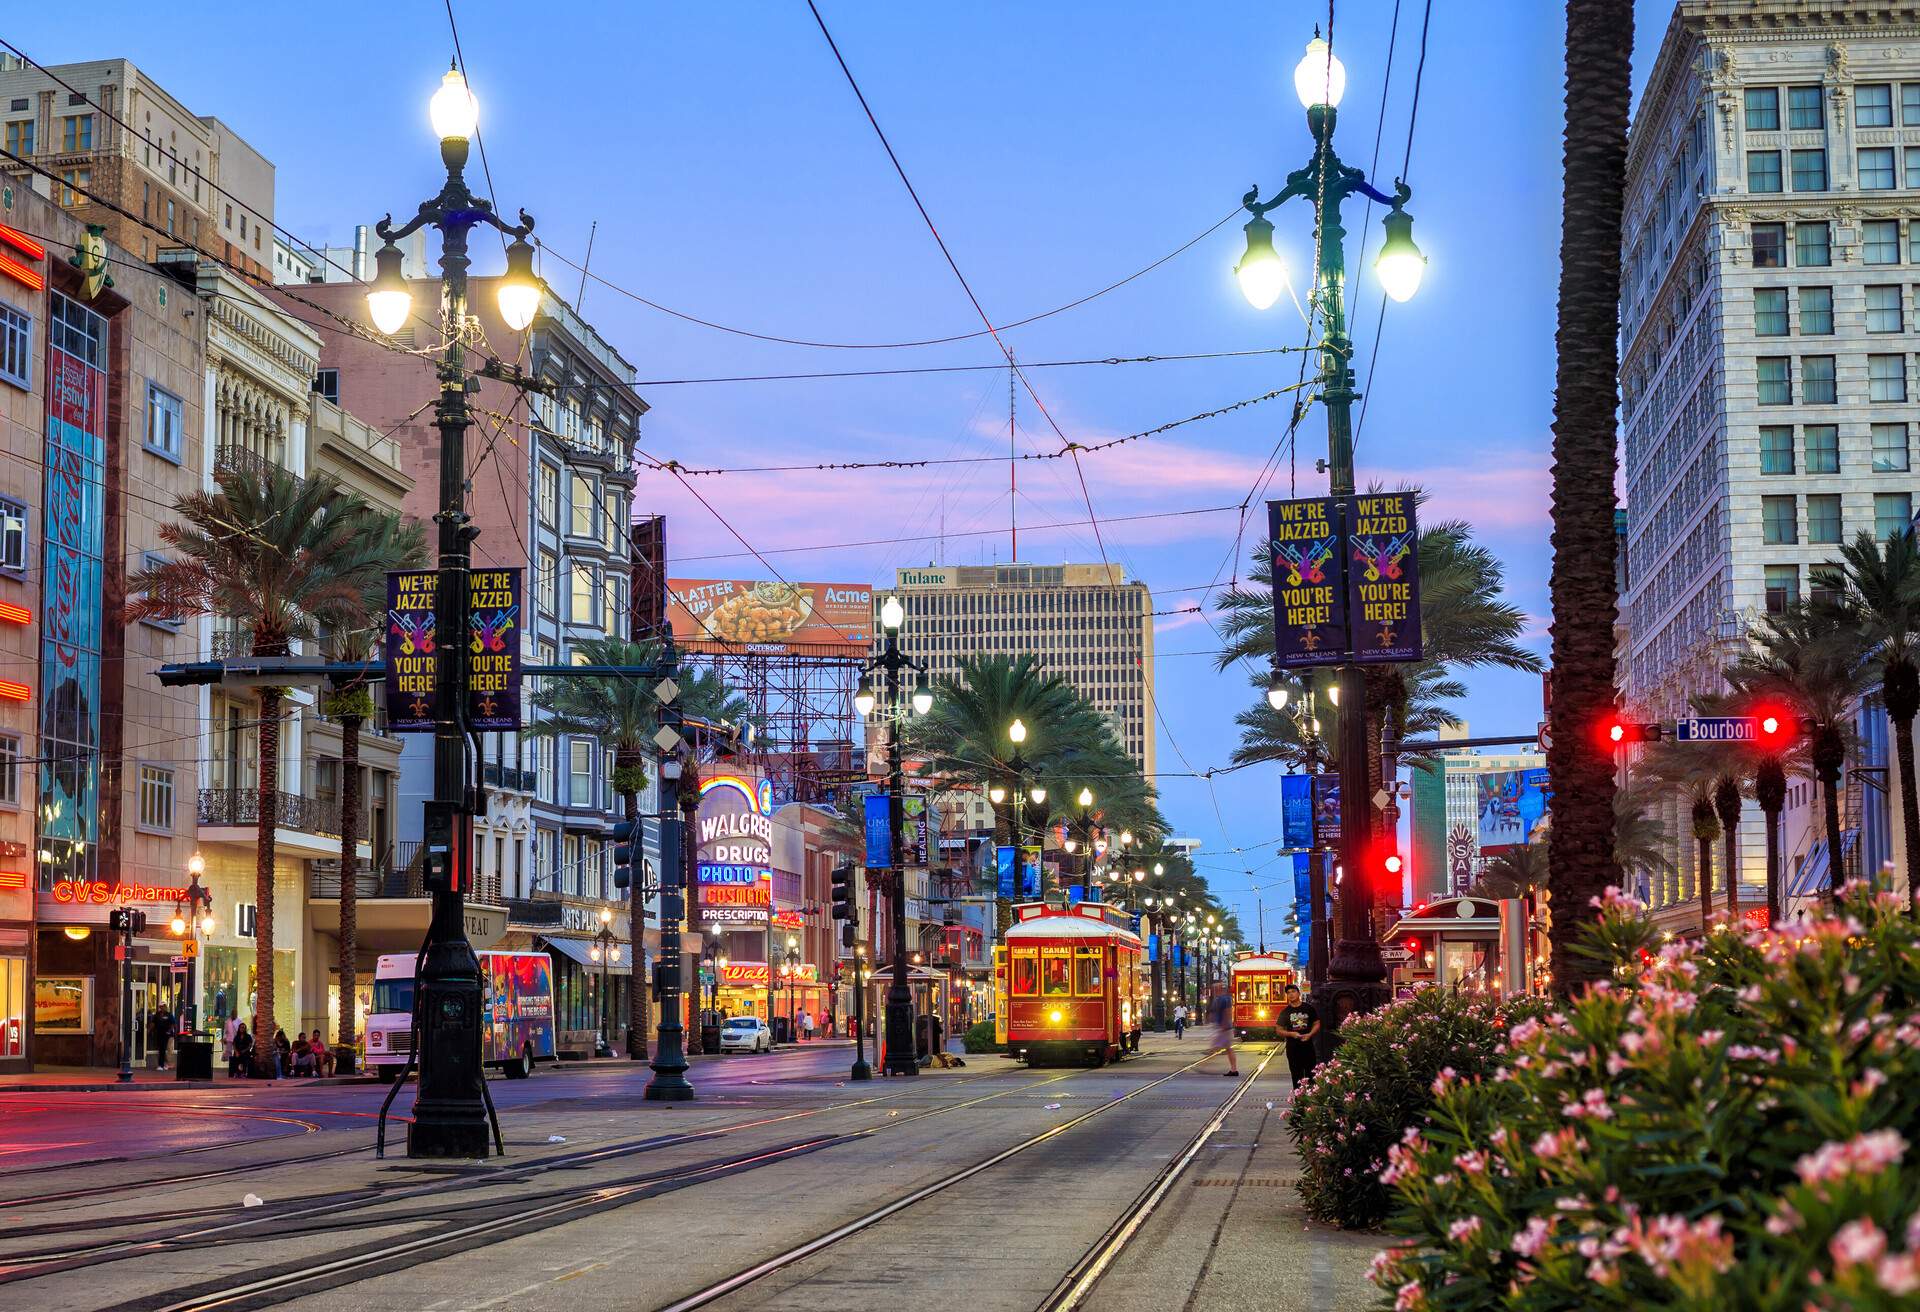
x: 1058, y: 148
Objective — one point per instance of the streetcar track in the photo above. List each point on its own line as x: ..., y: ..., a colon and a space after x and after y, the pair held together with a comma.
x: 800, y: 1252
x: 1080, y: 1279
x: 16, y: 1268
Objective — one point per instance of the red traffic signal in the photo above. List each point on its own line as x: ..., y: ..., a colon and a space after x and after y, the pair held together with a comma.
x: 1617, y: 730
x: 1774, y: 727
x: 1391, y: 863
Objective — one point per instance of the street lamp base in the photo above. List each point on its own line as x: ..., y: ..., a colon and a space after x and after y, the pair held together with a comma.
x: 861, y: 1071
x: 452, y: 1131
x: 669, y: 1082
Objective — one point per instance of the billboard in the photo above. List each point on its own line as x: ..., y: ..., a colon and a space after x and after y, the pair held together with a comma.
x: 1309, y: 604
x: 769, y: 616
x: 1383, y: 577
x: 1510, y: 804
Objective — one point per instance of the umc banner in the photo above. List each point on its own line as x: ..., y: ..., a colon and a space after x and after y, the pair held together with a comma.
x: 493, y: 645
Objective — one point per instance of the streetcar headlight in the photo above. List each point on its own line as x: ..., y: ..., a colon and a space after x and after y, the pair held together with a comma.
x: 1263, y: 1013
x: 1054, y: 1016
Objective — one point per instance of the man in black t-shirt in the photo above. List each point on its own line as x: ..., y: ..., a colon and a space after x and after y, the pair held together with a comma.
x: 1299, y: 1022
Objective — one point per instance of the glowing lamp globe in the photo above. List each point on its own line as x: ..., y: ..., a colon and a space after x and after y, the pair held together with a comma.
x: 1320, y: 78
x: 519, y: 290
x: 1262, y: 276
x: 453, y: 109
x: 892, y: 613
x: 1400, y: 265
x: 389, y: 300
x: 1017, y: 732
x: 1086, y: 798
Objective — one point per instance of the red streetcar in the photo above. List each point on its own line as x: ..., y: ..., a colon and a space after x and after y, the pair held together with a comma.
x: 1260, y: 983
x: 1075, y: 982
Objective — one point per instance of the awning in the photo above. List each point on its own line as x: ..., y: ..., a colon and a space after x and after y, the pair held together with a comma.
x: 581, y: 950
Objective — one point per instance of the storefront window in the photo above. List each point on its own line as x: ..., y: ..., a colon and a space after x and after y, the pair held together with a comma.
x: 230, y: 985
x: 13, y: 1006
x: 1464, y: 960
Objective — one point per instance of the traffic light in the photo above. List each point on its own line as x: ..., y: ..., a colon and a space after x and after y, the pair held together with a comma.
x: 626, y: 839
x: 1392, y: 864
x: 1774, y: 728
x: 843, y: 891
x: 1616, y: 731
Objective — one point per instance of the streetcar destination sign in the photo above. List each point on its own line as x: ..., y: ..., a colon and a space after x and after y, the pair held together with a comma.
x: 1716, y: 729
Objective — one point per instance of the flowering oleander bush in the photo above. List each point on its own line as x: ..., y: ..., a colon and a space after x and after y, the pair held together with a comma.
x: 1380, y: 1081
x: 1734, y: 1124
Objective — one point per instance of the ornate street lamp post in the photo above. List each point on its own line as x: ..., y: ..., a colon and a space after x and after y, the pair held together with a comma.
x: 890, y: 662
x: 606, y: 951
x: 450, y: 1109
x: 1356, y: 973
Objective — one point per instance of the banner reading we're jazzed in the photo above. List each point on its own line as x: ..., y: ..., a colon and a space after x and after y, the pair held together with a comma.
x: 1309, y: 605
x: 1383, y: 577
x: 493, y: 650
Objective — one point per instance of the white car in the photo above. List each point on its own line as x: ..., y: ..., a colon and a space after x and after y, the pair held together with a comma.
x: 745, y: 1034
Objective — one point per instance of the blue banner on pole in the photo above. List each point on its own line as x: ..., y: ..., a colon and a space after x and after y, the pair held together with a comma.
x: 1030, y: 871
x: 1003, y: 870
x: 1302, y: 903
x: 1076, y: 893
x: 1296, y: 810
x: 879, y: 820
x: 1153, y: 947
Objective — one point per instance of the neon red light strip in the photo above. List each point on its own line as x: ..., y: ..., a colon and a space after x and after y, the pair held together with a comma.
x: 15, y: 614
x: 26, y: 245
x: 13, y: 879
x: 14, y: 692
x: 20, y: 272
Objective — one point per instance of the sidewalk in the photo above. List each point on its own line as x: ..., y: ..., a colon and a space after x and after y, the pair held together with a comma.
x: 1232, y: 1234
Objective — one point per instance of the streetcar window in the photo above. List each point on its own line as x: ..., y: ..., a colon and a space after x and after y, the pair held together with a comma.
x: 1086, y: 973
x: 1024, y: 972
x: 1260, y: 988
x: 1053, y: 974
x: 1243, y: 989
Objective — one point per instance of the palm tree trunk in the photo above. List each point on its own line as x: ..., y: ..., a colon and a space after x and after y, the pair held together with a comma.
x: 349, y: 885
x: 1593, y: 182
x: 1773, y: 868
x: 268, y: 812
x: 1726, y: 806
x: 1830, y: 786
x: 1704, y: 843
x: 639, y: 996
x: 1909, y: 808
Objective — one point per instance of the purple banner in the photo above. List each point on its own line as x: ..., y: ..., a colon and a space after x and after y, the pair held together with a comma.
x: 1309, y: 605
x: 1383, y: 577
x: 493, y: 627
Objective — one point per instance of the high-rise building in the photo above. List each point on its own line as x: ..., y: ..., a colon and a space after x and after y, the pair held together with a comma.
x: 1085, y: 623
x: 105, y: 127
x: 1768, y: 392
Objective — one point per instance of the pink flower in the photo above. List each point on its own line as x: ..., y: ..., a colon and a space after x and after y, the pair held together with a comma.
x: 1784, y: 1221
x: 1410, y: 1298
x: 1464, y: 1229
x: 1592, y: 1104
x: 1473, y: 1163
x: 1866, y: 1154
x: 1899, y: 1273
x: 1531, y: 1240
x: 1444, y: 1080
x: 1857, y: 1243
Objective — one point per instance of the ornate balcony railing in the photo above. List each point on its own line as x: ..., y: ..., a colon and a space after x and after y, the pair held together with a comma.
x: 241, y: 806
x: 231, y: 459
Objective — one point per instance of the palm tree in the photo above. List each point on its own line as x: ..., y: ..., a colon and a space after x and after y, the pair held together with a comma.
x: 622, y: 712
x: 1880, y: 599
x: 1640, y: 842
x: 1733, y: 763
x: 278, y: 552
x: 1686, y: 771
x: 1819, y: 670
x: 350, y: 636
x: 1586, y: 396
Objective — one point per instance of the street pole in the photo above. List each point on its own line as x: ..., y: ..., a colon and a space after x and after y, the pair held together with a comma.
x: 125, y: 946
x: 1356, y: 973
x: 450, y: 1110
x: 669, y: 1082
x: 899, y: 1056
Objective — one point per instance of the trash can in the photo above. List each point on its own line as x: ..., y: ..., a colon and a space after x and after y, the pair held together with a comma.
x: 782, y: 1029
x: 710, y: 1039
x: 193, y: 1059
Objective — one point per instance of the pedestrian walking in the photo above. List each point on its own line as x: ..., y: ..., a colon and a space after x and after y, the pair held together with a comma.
x: 1180, y: 1021
x: 806, y: 1025
x: 1220, y: 1012
x: 240, y: 1051
x: 159, y: 1030
x: 1299, y: 1022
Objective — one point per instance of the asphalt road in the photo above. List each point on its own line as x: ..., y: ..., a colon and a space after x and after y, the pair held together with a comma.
x: 783, y: 1186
